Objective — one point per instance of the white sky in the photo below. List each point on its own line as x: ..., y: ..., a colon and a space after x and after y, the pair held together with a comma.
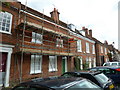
x: 99, y: 15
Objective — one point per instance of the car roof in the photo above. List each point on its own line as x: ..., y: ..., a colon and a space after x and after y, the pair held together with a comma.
x: 84, y: 72
x: 113, y: 62
x: 105, y: 67
x: 58, y: 82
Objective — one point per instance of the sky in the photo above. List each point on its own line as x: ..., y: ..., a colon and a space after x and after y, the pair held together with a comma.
x: 99, y: 15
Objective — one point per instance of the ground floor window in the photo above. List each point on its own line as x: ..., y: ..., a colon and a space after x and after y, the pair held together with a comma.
x: 52, y: 63
x: 94, y: 62
x: 90, y: 62
x: 36, y: 64
x: 81, y: 63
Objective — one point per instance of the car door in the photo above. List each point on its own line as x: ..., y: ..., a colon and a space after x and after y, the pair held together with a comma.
x: 114, y: 75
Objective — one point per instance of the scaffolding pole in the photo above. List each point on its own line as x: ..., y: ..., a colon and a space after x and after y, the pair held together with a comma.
x: 22, y: 54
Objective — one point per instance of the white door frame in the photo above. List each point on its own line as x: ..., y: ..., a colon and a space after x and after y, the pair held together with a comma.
x: 8, y: 49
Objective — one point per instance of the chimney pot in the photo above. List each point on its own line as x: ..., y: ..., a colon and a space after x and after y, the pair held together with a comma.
x: 83, y: 28
x: 55, y: 15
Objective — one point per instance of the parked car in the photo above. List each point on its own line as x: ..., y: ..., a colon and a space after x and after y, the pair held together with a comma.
x: 111, y: 64
x: 60, y: 83
x: 110, y: 71
x: 97, y: 77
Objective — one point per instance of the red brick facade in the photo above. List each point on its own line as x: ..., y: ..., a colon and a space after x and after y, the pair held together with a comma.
x: 51, y: 29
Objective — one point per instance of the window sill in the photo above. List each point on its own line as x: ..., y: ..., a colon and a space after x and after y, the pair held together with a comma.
x: 32, y: 73
x: 53, y: 70
x: 6, y: 32
x: 79, y: 51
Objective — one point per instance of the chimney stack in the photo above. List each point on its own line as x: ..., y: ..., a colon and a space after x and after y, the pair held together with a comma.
x: 55, y: 15
x: 83, y: 28
x: 90, y: 33
x: 86, y: 31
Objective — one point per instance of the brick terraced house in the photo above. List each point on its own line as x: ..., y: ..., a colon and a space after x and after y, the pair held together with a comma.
x: 34, y: 45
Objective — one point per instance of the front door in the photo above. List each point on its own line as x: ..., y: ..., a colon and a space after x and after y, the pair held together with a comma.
x: 102, y: 60
x: 3, y: 60
x: 64, y: 64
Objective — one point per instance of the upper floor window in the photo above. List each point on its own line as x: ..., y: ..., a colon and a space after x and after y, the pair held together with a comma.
x: 101, y: 49
x: 59, y: 42
x: 37, y: 38
x: 79, y: 46
x: 87, y: 47
x: 5, y: 22
x: 93, y: 49
x: 105, y: 50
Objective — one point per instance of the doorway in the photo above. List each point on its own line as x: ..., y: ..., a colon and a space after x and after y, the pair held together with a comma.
x: 64, y: 64
x: 3, y: 60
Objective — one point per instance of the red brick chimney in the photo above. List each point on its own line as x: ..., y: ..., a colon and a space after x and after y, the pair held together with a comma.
x: 55, y: 15
x: 86, y: 31
x: 90, y: 33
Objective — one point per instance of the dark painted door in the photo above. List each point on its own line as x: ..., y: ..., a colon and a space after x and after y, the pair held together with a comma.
x: 3, y: 60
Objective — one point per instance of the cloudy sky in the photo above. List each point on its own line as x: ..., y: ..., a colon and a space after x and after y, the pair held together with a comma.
x: 99, y: 15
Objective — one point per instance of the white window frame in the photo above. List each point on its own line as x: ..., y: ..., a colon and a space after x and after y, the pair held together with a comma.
x: 53, y: 63
x: 37, y: 38
x: 35, y: 63
x: 2, y: 14
x: 79, y: 46
x: 93, y: 49
x: 87, y: 47
x: 59, y: 42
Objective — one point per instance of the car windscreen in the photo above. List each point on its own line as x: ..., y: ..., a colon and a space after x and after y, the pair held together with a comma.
x: 106, y: 64
x: 114, y: 64
x: 102, y: 78
x: 84, y: 84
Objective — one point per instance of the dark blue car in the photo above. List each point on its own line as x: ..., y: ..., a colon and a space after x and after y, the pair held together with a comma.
x: 58, y: 83
x: 111, y: 72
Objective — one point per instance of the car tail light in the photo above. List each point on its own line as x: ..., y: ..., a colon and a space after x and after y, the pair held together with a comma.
x: 117, y: 69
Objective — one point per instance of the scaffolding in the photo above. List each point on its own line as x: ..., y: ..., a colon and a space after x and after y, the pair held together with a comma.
x: 47, y: 41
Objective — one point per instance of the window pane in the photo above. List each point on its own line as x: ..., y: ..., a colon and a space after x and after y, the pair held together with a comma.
x: 37, y: 62
x: 7, y: 29
x: 4, y: 20
x: 3, y: 28
x: 0, y: 19
x: 8, y: 21
x: 5, y: 15
x: 8, y: 25
x: 8, y: 17
x: 3, y: 24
